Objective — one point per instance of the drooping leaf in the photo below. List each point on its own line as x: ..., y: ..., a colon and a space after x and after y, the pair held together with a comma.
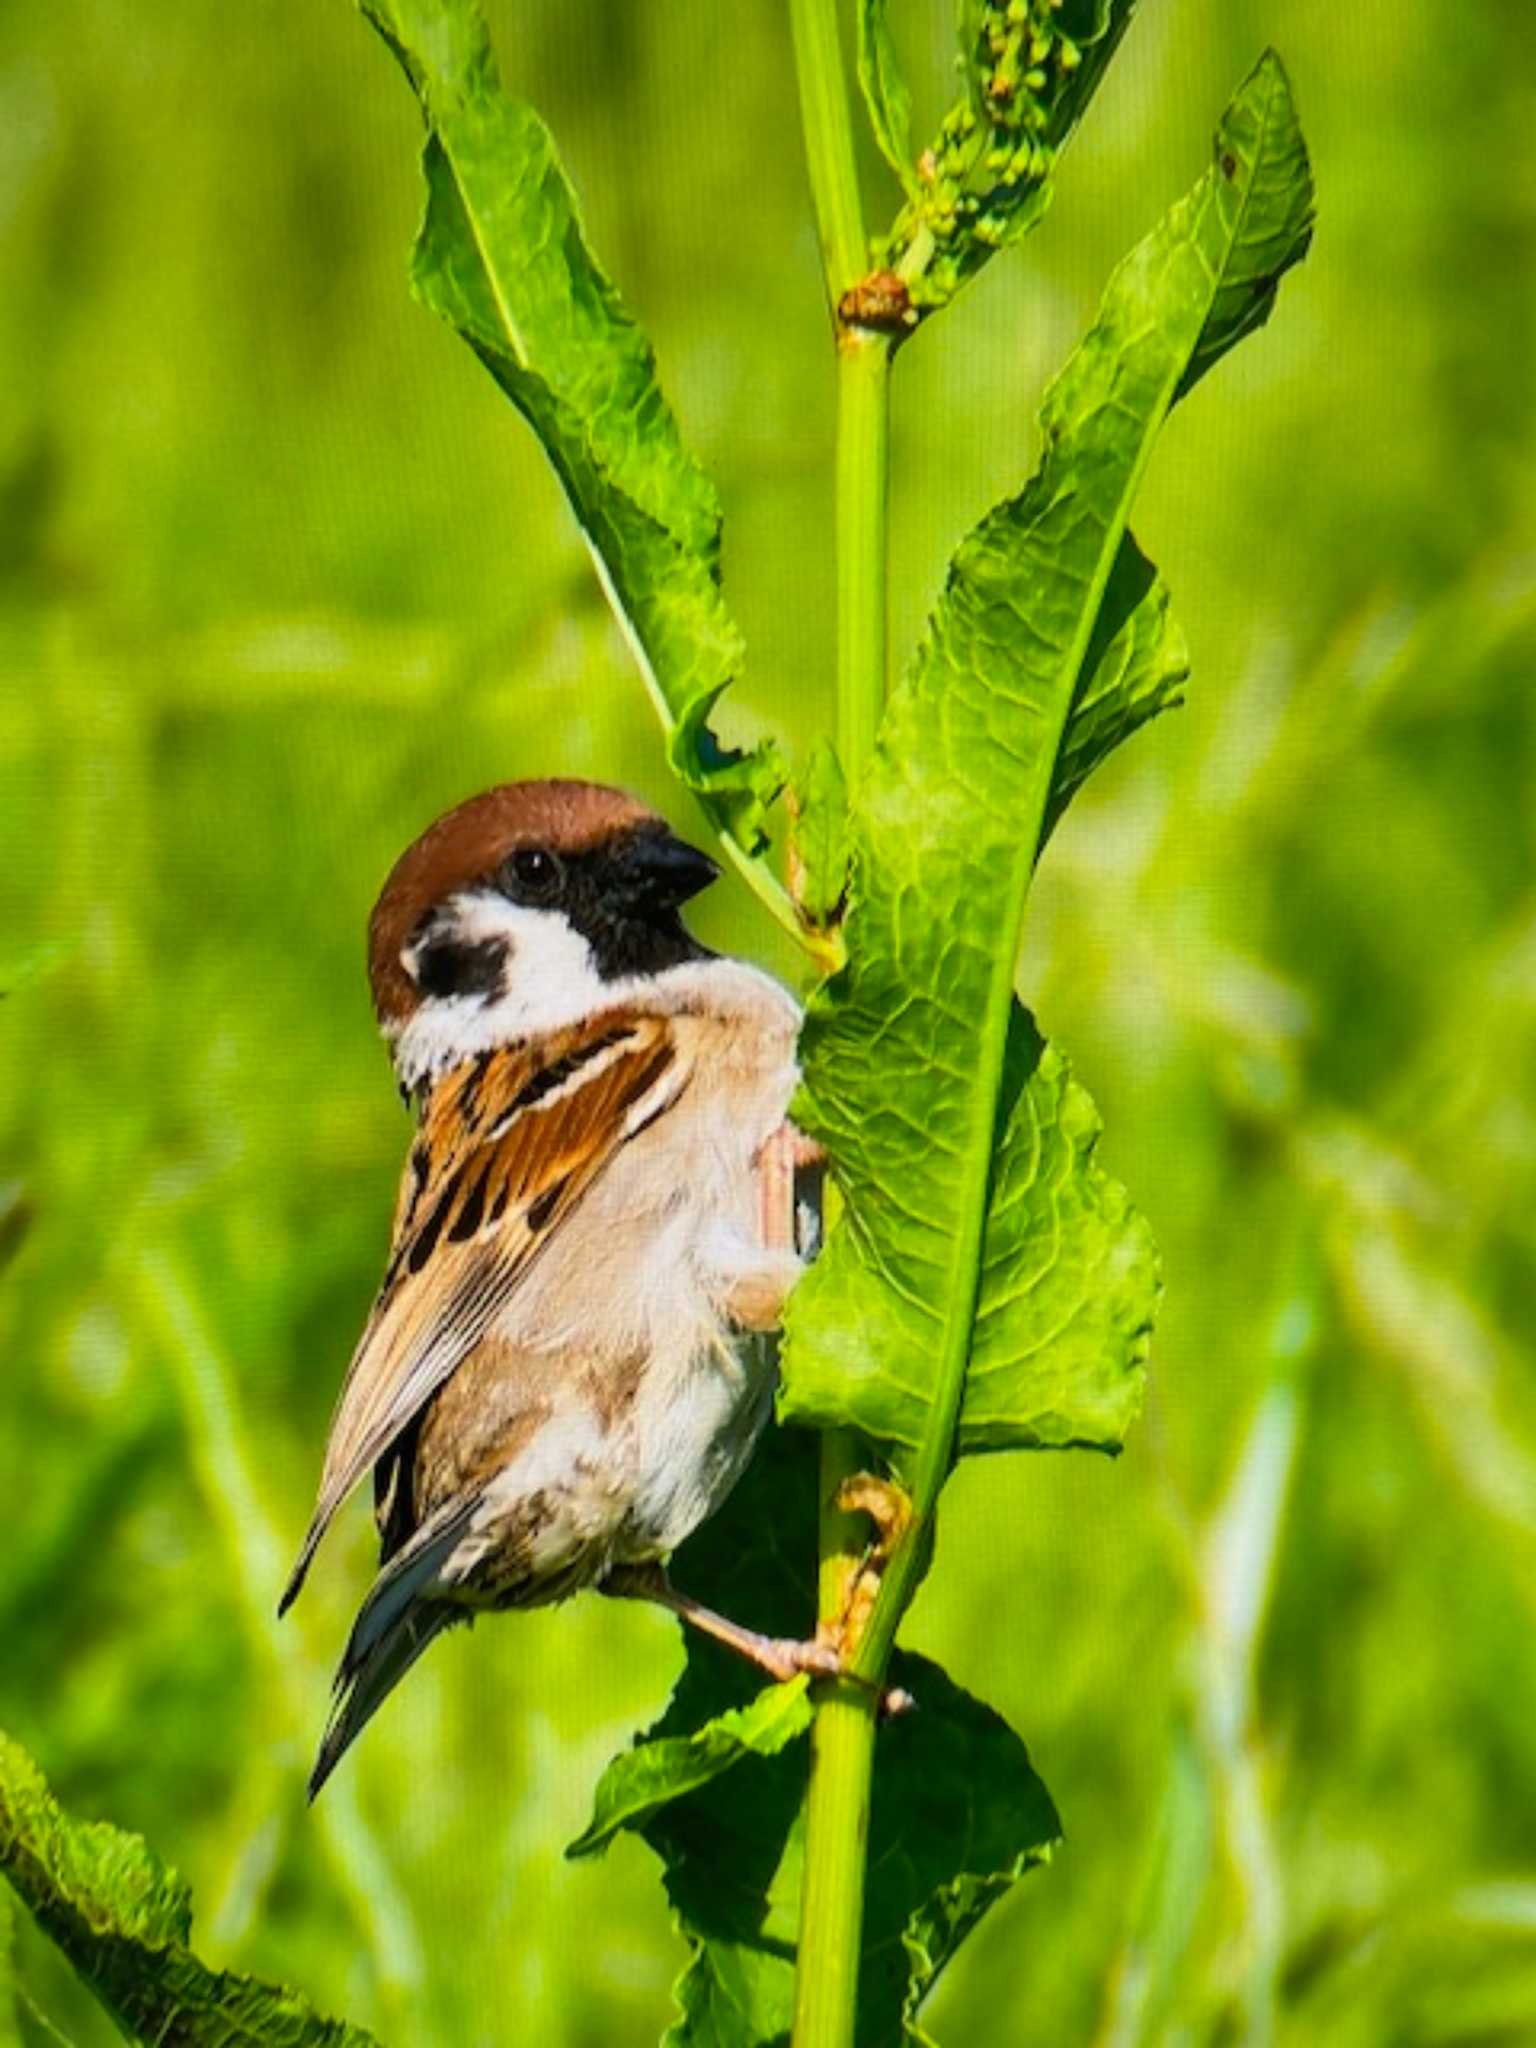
x: 1030, y: 68
x: 818, y: 838
x: 989, y: 1285
x: 502, y: 258
x: 125, y: 1922
x: 885, y: 92
x: 640, y: 1781
x: 958, y: 1813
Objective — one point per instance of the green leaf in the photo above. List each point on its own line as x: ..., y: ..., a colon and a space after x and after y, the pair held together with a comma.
x: 885, y: 92
x: 1067, y: 1289
x: 642, y: 1780
x: 989, y: 1285
x: 1261, y: 184
x: 1136, y: 666
x: 502, y: 258
x: 958, y: 1814
x: 1030, y: 68
x: 124, y: 1922
x: 958, y: 1817
x: 818, y: 840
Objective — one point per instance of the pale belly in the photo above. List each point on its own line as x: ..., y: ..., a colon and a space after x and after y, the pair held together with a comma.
x: 586, y: 1494
x: 691, y: 1443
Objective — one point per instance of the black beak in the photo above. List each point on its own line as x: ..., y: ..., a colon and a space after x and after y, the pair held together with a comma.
x: 661, y: 872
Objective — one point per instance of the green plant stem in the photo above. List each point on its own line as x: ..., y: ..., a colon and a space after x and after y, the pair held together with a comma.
x: 829, y: 157
x: 863, y: 464
x: 842, y: 1740
x: 760, y: 879
x: 837, y: 1806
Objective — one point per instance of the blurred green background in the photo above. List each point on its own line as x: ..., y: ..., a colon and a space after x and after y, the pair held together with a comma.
x: 281, y: 575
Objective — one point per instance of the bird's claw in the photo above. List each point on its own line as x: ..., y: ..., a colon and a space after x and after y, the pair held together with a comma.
x: 784, y: 1658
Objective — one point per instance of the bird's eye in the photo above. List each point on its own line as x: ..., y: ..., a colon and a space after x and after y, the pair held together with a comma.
x: 532, y: 871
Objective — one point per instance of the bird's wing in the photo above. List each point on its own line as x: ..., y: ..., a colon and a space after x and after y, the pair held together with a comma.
x: 508, y: 1143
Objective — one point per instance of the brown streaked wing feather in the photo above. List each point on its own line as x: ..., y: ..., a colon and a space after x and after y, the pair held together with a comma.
x: 502, y: 1155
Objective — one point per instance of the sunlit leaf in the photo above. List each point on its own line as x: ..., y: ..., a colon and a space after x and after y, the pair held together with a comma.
x: 990, y: 1285
x: 1067, y: 1287
x: 502, y: 257
x: 125, y: 1922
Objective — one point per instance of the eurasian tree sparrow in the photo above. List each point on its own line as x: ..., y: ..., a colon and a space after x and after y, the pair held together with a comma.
x: 560, y: 1377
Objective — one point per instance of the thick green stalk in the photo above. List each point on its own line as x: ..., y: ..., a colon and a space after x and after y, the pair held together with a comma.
x: 842, y: 1740
x: 837, y: 1803
x: 829, y: 157
x: 863, y: 454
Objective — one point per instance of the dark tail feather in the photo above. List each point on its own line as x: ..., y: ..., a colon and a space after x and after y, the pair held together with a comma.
x: 394, y: 1625
x: 297, y: 1576
x: 363, y: 1688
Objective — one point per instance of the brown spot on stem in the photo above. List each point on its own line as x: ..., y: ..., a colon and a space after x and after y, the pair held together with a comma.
x: 880, y: 303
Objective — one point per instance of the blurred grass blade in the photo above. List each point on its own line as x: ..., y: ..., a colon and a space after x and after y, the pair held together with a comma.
x: 1144, y: 1986
x: 226, y: 1464
x: 10, y: 1989
x: 885, y: 92
x: 502, y: 258
x: 959, y: 1813
x: 125, y: 1921
x: 988, y: 1279
x: 20, y: 966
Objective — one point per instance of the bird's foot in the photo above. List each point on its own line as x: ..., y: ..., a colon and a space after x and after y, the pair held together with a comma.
x: 782, y: 1657
x: 889, y: 1507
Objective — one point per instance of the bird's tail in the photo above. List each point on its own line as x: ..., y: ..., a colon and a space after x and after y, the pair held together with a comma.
x: 395, y: 1624
x: 360, y: 1692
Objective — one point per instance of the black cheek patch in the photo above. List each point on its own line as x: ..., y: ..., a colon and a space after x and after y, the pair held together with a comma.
x: 458, y: 967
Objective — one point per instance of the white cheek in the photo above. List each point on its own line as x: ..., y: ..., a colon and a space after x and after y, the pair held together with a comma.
x: 549, y: 981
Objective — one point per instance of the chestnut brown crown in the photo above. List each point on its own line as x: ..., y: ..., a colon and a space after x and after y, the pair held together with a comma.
x: 465, y: 847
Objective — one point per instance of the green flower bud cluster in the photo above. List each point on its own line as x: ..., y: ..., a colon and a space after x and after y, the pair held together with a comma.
x: 985, y: 179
